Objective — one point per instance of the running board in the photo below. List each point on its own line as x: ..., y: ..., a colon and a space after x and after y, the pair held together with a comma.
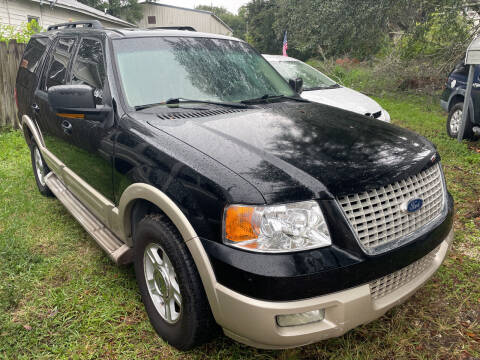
x: 119, y: 252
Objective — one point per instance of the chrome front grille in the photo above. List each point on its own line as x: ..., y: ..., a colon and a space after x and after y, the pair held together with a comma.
x: 391, y: 282
x: 377, y: 217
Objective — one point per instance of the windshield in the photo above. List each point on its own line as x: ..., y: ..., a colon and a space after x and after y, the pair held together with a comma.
x: 312, y: 78
x: 153, y: 70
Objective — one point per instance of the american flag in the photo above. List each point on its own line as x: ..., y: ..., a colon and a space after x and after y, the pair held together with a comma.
x: 285, y: 44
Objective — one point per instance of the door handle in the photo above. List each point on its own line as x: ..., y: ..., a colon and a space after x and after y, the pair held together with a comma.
x: 35, y: 108
x: 67, y: 127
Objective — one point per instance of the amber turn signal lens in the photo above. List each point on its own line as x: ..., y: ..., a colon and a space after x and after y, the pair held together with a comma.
x: 238, y: 223
x: 71, y: 116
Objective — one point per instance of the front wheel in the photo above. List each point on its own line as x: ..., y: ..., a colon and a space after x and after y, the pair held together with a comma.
x: 454, y: 121
x: 170, y: 285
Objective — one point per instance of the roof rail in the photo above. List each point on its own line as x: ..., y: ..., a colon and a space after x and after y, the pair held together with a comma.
x: 185, y: 28
x: 94, y: 24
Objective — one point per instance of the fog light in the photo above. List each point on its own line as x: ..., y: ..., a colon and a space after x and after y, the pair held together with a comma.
x: 301, y: 319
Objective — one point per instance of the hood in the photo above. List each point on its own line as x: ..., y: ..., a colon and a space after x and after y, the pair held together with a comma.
x: 295, y: 151
x: 344, y: 98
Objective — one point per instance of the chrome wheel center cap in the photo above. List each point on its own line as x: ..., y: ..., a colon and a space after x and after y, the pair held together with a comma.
x: 161, y: 282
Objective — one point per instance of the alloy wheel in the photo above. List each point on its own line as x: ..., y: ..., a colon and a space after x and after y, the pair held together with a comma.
x: 162, y: 283
x: 455, y: 122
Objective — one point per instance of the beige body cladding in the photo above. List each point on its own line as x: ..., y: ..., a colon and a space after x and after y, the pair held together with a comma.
x: 244, y: 319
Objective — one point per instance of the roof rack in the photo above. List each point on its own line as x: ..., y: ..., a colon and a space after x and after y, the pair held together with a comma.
x: 94, y: 24
x: 185, y: 28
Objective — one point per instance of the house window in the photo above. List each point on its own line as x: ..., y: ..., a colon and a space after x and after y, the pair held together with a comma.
x: 152, y: 20
x: 37, y: 19
x: 30, y: 18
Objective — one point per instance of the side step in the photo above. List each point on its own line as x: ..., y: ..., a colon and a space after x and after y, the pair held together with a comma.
x: 119, y: 252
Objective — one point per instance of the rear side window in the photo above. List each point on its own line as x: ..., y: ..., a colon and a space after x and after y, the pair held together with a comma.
x: 89, y: 67
x: 33, y: 54
x: 31, y: 61
x: 59, y: 60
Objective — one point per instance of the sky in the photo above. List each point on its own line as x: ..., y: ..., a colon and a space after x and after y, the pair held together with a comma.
x: 230, y: 5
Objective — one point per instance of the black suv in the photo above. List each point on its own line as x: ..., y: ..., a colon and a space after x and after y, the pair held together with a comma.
x: 452, y: 102
x: 242, y: 206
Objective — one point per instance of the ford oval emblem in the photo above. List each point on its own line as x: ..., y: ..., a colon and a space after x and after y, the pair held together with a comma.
x: 412, y: 205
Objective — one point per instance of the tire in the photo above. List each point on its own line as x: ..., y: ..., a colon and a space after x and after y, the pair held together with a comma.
x: 454, y: 121
x: 190, y: 321
x: 40, y: 170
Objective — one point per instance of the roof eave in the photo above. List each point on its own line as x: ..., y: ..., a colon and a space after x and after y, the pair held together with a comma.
x: 115, y: 20
x: 221, y: 21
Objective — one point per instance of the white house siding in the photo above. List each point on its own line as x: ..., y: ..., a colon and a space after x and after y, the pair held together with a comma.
x: 173, y: 16
x: 16, y: 12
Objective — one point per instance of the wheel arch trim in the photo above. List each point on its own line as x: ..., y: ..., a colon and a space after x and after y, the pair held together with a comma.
x: 142, y: 191
x: 27, y: 124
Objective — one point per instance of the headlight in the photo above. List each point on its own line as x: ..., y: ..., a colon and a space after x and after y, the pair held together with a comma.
x: 385, y: 116
x: 279, y: 228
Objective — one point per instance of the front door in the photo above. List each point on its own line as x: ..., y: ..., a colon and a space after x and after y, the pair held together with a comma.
x: 83, y: 145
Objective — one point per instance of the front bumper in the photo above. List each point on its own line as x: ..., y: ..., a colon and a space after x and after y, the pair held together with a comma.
x: 253, y: 322
x: 444, y: 105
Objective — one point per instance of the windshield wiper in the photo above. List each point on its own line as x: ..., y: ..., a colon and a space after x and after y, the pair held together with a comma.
x: 175, y: 101
x: 178, y: 101
x: 266, y: 97
x: 334, y: 86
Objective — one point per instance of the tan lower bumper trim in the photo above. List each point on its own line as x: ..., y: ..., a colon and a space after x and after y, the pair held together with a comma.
x: 252, y: 321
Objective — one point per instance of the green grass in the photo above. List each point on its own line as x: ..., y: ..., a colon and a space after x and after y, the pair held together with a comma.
x: 61, y: 297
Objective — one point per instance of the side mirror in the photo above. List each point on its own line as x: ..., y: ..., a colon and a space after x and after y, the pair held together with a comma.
x: 76, y: 102
x: 296, y: 85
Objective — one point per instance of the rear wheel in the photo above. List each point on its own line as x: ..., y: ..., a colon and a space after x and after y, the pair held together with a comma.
x: 454, y: 121
x: 40, y: 170
x: 170, y: 285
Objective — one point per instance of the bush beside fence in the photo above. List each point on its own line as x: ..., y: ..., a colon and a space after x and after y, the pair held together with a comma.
x: 10, y: 57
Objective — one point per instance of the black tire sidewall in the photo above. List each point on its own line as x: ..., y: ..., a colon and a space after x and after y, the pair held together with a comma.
x: 149, y: 231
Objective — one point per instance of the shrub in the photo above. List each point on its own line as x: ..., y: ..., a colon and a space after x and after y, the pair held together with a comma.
x: 21, y: 34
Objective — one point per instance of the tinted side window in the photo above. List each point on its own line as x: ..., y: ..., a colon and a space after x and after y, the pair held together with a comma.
x: 88, y: 67
x: 59, y: 62
x: 33, y: 54
x: 31, y: 61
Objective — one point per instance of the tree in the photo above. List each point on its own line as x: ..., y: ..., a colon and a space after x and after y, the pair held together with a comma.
x: 128, y: 10
x: 260, y: 16
x: 236, y: 22
x: 333, y: 27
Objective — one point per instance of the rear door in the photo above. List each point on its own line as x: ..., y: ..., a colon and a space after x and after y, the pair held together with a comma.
x: 28, y: 74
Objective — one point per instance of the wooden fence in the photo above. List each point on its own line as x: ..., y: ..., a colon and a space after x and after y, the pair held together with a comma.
x: 10, y: 57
